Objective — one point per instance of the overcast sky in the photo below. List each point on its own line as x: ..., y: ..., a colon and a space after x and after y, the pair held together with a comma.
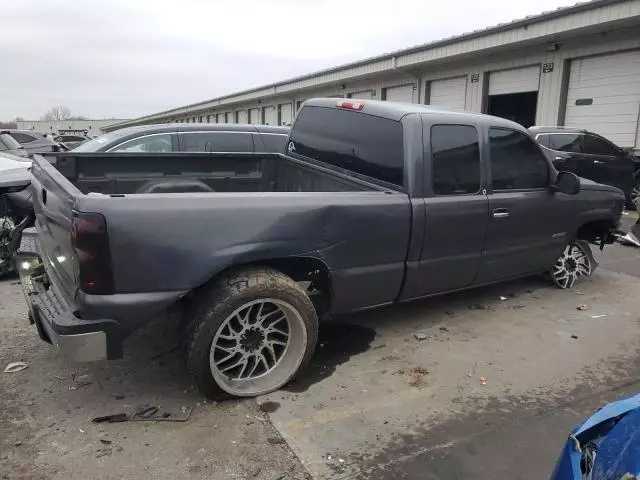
x: 127, y: 58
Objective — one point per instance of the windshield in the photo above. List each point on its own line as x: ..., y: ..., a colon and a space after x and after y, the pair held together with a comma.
x: 9, y: 143
x: 99, y: 142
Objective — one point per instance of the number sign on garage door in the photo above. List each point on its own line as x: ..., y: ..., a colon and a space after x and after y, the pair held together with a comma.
x: 604, y: 96
x: 270, y: 116
x: 517, y: 80
x: 450, y: 93
x: 286, y: 114
x: 402, y: 93
x: 243, y: 116
x: 362, y: 95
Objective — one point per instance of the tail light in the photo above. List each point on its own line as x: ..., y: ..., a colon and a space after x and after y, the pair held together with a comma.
x: 91, y: 245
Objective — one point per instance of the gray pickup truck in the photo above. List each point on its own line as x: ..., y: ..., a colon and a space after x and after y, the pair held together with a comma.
x: 374, y: 203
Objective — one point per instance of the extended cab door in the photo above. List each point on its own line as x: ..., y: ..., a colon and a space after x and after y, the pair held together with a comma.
x: 528, y: 224
x: 456, y: 211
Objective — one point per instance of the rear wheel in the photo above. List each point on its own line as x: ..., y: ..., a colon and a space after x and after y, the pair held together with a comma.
x: 576, y: 261
x: 252, y: 333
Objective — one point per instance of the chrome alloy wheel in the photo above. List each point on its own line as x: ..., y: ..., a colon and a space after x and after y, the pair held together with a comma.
x: 258, y: 348
x: 574, y: 263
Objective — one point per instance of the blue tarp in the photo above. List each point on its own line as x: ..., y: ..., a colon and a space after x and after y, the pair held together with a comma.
x: 608, y: 442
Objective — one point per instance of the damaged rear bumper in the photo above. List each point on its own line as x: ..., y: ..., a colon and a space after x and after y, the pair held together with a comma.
x: 77, y: 339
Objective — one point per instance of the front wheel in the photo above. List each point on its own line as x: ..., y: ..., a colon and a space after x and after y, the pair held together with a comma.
x: 576, y: 261
x: 251, y: 334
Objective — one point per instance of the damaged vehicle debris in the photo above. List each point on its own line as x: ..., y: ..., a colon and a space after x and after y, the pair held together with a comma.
x: 374, y: 203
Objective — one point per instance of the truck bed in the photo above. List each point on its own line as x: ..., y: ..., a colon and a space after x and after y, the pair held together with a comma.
x: 121, y: 173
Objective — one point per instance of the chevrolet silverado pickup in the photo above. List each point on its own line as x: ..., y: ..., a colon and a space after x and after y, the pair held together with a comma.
x: 373, y: 203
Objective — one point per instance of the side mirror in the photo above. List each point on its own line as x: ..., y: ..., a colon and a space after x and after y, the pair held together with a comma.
x: 567, y: 182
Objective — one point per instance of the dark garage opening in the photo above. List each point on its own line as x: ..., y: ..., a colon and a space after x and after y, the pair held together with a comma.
x: 519, y: 107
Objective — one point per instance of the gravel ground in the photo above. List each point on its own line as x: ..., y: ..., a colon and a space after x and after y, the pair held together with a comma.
x: 46, y: 412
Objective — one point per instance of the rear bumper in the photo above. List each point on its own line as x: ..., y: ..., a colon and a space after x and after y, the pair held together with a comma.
x: 77, y: 339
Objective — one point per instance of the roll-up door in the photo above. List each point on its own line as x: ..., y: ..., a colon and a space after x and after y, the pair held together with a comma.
x: 604, y: 96
x: 270, y: 116
x: 220, y: 118
x: 285, y: 114
x: 254, y: 116
x: 243, y: 116
x: 516, y: 80
x: 450, y: 93
x: 402, y: 93
x: 363, y: 95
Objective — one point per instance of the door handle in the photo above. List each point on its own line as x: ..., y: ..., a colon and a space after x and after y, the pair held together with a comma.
x: 598, y: 161
x: 501, y: 213
x: 559, y: 158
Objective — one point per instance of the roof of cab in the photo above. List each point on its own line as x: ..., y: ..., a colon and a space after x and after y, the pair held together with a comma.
x: 397, y: 110
x: 195, y: 127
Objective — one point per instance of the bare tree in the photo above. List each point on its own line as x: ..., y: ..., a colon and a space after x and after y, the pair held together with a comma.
x: 59, y: 112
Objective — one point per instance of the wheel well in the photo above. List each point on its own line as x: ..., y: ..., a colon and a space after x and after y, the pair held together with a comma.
x: 596, y: 231
x: 300, y: 269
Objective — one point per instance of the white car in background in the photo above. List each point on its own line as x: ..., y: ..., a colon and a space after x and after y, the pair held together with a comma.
x: 14, y: 177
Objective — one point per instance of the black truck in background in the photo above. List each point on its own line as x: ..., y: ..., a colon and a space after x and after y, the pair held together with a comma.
x: 375, y: 203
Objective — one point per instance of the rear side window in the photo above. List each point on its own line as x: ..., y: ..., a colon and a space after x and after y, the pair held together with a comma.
x: 597, y: 146
x: 355, y: 141
x: 22, y: 137
x: 217, y: 142
x: 455, y: 155
x: 274, y: 143
x: 566, y: 142
x: 516, y: 161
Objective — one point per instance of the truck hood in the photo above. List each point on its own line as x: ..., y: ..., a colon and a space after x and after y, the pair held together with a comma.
x: 586, y: 184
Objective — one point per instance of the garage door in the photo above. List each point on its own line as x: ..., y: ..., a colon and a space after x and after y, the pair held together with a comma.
x: 362, y: 95
x: 604, y: 97
x: 220, y: 118
x: 231, y: 117
x: 403, y: 93
x: 254, y: 116
x: 243, y: 116
x: 285, y: 114
x: 270, y: 116
x: 450, y: 93
x: 517, y: 80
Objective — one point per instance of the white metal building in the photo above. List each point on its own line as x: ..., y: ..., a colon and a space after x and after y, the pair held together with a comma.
x: 92, y: 127
x: 577, y: 66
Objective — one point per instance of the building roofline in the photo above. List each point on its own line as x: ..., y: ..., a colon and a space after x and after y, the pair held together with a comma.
x: 548, y: 15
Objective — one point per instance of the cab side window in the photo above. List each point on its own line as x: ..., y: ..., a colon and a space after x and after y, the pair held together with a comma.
x: 455, y: 154
x: 516, y: 161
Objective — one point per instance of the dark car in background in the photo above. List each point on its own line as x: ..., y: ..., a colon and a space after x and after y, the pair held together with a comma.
x: 590, y: 156
x: 203, y: 137
x: 32, y: 141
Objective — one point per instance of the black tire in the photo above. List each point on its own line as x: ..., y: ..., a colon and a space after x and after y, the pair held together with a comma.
x: 217, y: 304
